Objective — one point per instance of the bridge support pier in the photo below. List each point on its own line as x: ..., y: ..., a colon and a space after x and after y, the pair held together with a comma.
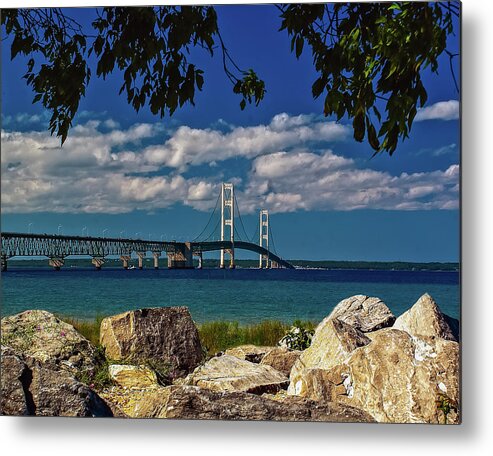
x: 182, y: 257
x: 98, y: 262
x: 232, y: 264
x: 266, y: 263
x: 141, y: 256
x: 4, y: 263
x: 231, y: 254
x: 156, y: 256
x: 125, y: 259
x: 199, y: 257
x: 56, y: 262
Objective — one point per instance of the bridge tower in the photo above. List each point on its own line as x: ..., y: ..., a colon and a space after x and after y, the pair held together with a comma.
x: 228, y: 219
x: 264, y: 236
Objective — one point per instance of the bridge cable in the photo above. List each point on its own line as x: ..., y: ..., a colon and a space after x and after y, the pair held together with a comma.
x: 241, y: 220
x: 238, y: 234
x: 210, y: 218
x: 254, y: 238
x: 272, y: 239
x: 213, y: 232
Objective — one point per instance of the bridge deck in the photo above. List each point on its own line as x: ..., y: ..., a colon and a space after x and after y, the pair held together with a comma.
x: 60, y: 246
x: 218, y: 245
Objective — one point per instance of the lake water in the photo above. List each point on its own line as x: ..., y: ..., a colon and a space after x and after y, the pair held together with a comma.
x: 244, y: 295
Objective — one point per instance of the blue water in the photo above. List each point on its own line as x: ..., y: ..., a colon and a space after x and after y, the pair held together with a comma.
x: 245, y: 295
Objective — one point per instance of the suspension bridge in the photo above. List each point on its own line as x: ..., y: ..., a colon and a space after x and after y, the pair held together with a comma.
x: 224, y: 232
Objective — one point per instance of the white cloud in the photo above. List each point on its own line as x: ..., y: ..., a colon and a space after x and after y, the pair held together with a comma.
x: 189, y: 146
x: 286, y: 182
x: 297, y: 164
x: 448, y: 149
x: 111, y: 123
x: 443, y: 110
x: 109, y: 170
x: 86, y: 174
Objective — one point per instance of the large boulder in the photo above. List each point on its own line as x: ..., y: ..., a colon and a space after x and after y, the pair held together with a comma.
x: 228, y: 373
x: 281, y: 359
x: 165, y: 335
x: 191, y: 402
x: 364, y: 313
x: 252, y: 353
x: 45, y: 338
x: 31, y: 387
x: 332, y: 343
x: 398, y: 378
x: 424, y: 319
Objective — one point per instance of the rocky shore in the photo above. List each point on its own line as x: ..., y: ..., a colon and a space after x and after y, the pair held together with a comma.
x: 362, y: 365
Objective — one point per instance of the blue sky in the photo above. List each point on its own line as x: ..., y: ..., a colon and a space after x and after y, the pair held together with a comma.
x: 138, y: 175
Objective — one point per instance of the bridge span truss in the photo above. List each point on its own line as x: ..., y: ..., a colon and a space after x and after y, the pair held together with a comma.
x: 58, y: 247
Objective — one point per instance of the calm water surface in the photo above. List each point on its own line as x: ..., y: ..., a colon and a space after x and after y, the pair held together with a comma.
x: 245, y: 295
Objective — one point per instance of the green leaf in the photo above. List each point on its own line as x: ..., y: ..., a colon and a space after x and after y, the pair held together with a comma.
x: 16, y: 47
x: 359, y: 127
x: 372, y: 135
x: 199, y: 79
x: 299, y: 46
x: 318, y: 87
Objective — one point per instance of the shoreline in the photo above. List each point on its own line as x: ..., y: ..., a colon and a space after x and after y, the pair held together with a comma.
x: 251, y: 265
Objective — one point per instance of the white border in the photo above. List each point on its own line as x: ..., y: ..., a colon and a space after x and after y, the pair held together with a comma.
x: 91, y: 437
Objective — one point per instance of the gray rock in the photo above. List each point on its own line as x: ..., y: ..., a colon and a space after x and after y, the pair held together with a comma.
x: 31, y: 387
x: 14, y: 375
x: 228, y: 373
x: 165, y: 336
x: 190, y: 402
x: 45, y: 338
x: 332, y: 343
x: 281, y: 359
x: 398, y: 378
x: 364, y: 313
x: 252, y: 353
x: 424, y: 319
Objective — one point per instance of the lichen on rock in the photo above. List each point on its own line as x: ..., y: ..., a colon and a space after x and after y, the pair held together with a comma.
x: 44, y: 337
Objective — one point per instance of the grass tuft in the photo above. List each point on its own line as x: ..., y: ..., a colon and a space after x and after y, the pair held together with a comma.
x: 88, y: 328
x: 219, y: 335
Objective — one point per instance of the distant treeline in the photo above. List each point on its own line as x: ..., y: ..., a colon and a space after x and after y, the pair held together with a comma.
x: 331, y: 264
x: 211, y: 263
x: 382, y: 265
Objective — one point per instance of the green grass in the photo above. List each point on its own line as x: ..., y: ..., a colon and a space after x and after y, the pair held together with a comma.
x: 88, y: 328
x: 219, y: 335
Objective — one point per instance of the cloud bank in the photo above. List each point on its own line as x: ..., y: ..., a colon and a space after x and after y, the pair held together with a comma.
x: 290, y: 165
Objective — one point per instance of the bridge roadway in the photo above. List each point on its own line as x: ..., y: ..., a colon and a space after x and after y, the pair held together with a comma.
x: 57, y: 247
x: 228, y: 245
